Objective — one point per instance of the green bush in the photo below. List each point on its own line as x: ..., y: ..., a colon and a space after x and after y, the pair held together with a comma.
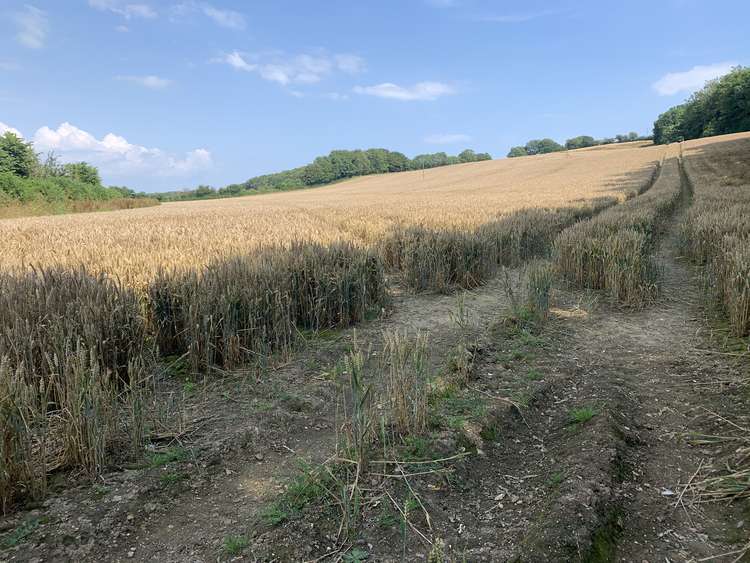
x: 53, y: 189
x: 722, y: 106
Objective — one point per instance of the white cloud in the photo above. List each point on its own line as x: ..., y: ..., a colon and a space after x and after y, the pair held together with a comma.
x: 150, y: 81
x: 225, y: 18
x: 423, y: 91
x: 32, y: 26
x: 124, y: 9
x: 5, y: 128
x: 691, y: 80
x: 299, y: 69
x: 447, y: 138
x: 115, y: 156
x: 122, y: 29
x: 236, y: 60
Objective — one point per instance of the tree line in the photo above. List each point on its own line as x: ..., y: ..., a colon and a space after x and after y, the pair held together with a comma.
x: 337, y: 165
x: 722, y: 106
x: 26, y: 177
x: 544, y: 146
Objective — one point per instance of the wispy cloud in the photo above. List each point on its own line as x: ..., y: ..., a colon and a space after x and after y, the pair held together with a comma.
x: 350, y: 64
x: 125, y: 9
x: 225, y: 18
x: 229, y: 19
x: 447, y: 138
x: 690, y: 80
x: 33, y: 26
x: 148, y: 81
x: 297, y: 69
x: 115, y: 156
x: 520, y: 17
x: 422, y: 91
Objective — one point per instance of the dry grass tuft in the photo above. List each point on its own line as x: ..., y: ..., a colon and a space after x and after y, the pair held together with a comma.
x: 407, y: 381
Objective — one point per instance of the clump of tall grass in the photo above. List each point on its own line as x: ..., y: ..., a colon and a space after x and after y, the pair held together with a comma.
x: 239, y: 310
x: 407, y: 381
x: 716, y: 233
x: 613, y: 250
x: 540, y: 276
x: 70, y: 342
x: 444, y: 259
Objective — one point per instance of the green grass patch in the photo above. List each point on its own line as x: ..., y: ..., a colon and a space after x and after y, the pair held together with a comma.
x: 556, y: 479
x: 452, y: 408
x: 582, y: 415
x: 534, y: 375
x: 172, y: 478
x: 356, y: 555
x: 160, y: 459
x: 311, y: 486
x: 21, y: 533
x: 233, y: 545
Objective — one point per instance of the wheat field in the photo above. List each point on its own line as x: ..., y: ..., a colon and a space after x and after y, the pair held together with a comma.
x: 717, y: 230
x: 134, y: 244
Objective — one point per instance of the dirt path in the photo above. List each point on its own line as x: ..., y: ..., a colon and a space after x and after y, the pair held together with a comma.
x: 652, y: 379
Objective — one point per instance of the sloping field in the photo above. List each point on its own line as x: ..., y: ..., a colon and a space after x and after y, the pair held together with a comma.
x: 135, y: 244
x: 522, y: 420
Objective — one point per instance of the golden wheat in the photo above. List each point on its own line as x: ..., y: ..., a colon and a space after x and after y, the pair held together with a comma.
x: 717, y: 230
x: 613, y: 251
x: 135, y: 244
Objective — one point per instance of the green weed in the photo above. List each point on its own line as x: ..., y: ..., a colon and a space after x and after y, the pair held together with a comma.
x: 233, y: 545
x: 582, y: 415
x: 160, y: 459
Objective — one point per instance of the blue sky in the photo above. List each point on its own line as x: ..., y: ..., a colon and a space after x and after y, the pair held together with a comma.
x: 164, y: 94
